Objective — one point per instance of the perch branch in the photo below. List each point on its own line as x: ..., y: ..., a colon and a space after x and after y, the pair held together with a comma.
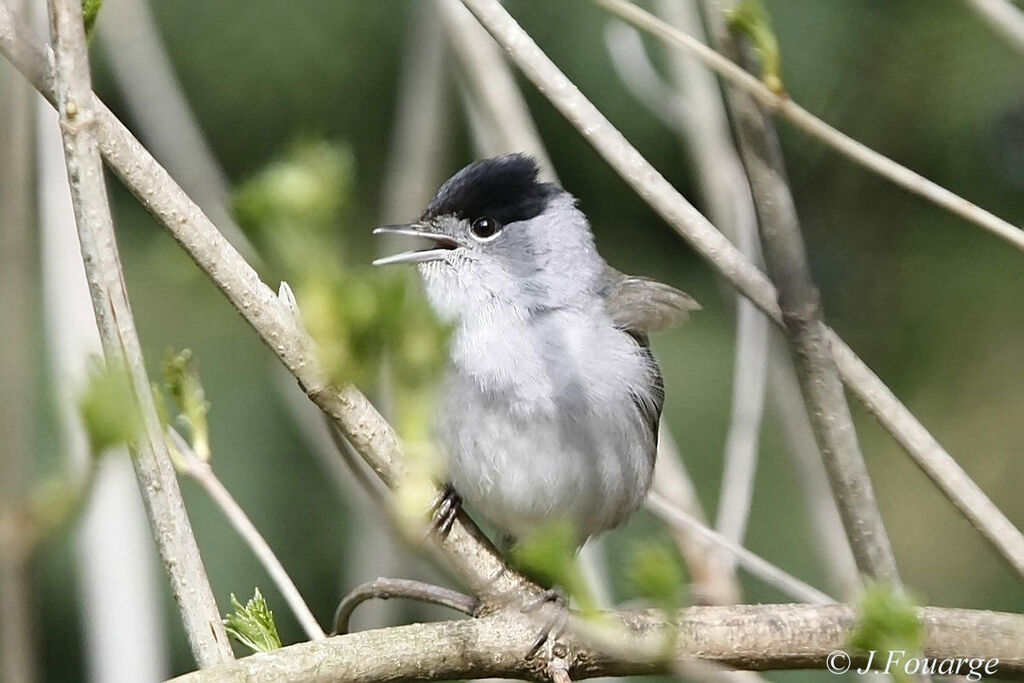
x: 652, y: 187
x: 809, y: 123
x: 758, y: 637
x: 75, y: 105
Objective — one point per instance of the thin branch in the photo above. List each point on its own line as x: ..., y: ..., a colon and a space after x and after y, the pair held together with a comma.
x: 17, y: 630
x: 802, y: 314
x: 145, y: 78
x: 791, y: 415
x: 469, y: 552
x: 1004, y: 17
x: 723, y: 185
x: 203, y: 474
x: 757, y: 637
x: 189, y: 582
x: 751, y: 282
x: 494, y: 88
x: 772, y: 575
x: 385, y: 589
x: 809, y: 123
x: 712, y: 573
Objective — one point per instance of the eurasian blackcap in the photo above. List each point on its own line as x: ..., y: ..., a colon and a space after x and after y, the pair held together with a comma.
x: 552, y: 397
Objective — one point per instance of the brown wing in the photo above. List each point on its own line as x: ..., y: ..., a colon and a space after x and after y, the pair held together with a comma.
x: 642, y: 305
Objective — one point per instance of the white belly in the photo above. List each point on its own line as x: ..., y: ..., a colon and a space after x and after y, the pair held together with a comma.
x: 545, y: 428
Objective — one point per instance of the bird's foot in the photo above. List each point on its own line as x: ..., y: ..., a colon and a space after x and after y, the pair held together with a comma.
x: 446, y: 508
x: 554, y: 624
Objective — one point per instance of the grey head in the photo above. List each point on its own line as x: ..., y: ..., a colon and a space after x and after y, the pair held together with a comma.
x: 502, y: 238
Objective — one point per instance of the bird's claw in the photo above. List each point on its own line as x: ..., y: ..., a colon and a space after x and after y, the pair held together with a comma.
x: 446, y: 508
x: 555, y: 623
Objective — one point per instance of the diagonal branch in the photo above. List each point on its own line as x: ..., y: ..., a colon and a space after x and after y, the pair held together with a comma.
x: 799, y: 299
x: 1004, y: 17
x: 812, y: 125
x: 760, y: 637
x: 160, y: 492
x: 467, y: 549
x: 653, y: 188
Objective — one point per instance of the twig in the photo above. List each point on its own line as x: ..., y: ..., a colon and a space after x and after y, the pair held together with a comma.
x: 17, y: 632
x: 468, y: 550
x: 712, y: 573
x: 806, y: 121
x: 145, y: 77
x: 203, y: 474
x: 751, y: 282
x: 75, y: 100
x: 723, y: 184
x: 494, y: 88
x: 120, y: 603
x: 420, y: 131
x: 758, y: 637
x: 1006, y: 19
x: 753, y: 563
x: 799, y: 300
x: 385, y: 589
x: 829, y: 537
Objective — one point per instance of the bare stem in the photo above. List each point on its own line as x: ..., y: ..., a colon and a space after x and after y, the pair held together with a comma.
x: 1004, y: 17
x: 75, y: 104
x: 385, y: 589
x: 652, y: 187
x: 809, y: 123
x: 802, y: 315
x: 17, y: 631
x: 753, y: 637
x: 203, y: 474
x: 772, y: 575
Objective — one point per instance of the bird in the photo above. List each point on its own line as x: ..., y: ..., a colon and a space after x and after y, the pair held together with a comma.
x: 551, y: 398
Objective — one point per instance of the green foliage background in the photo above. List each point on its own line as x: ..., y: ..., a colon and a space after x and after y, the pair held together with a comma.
x: 931, y: 303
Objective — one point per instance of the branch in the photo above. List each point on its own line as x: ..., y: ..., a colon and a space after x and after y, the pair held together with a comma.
x: 493, y: 88
x: 467, y: 549
x: 724, y: 186
x: 202, y: 473
x: 17, y: 629
x: 755, y: 564
x: 759, y: 637
x: 160, y: 492
x: 829, y: 536
x: 1004, y: 17
x: 800, y: 302
x: 809, y: 123
x: 652, y: 187
x: 385, y: 589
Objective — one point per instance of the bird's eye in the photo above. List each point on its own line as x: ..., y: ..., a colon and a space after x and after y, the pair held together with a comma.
x: 485, y: 229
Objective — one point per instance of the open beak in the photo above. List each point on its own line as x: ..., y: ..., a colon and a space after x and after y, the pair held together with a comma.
x: 443, y: 244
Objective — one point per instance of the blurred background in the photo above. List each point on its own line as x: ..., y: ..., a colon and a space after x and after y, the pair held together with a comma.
x: 353, y: 112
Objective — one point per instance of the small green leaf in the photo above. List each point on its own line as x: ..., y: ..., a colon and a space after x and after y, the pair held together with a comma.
x: 181, y: 374
x: 548, y: 556
x: 751, y: 19
x: 90, y: 11
x: 887, y: 620
x: 654, y: 572
x: 253, y: 625
x: 108, y: 408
